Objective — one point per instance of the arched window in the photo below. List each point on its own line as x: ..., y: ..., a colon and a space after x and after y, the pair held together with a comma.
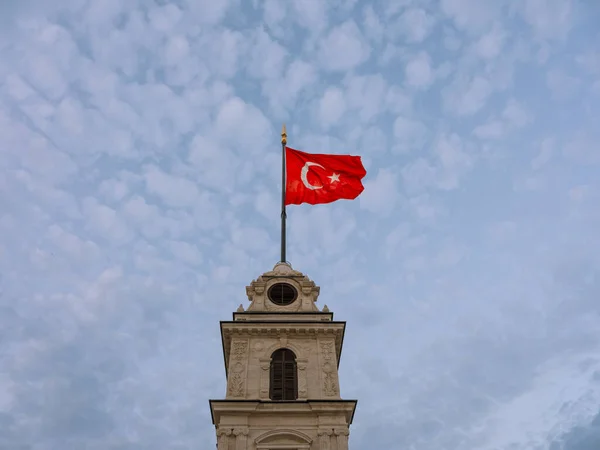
x: 284, y: 375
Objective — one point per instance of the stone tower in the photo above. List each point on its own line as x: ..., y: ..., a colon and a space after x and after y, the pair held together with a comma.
x: 281, y: 363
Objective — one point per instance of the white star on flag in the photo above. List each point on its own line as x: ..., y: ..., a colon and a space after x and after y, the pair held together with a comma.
x: 334, y: 177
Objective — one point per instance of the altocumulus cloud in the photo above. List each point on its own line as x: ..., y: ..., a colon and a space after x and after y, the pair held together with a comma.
x: 139, y: 170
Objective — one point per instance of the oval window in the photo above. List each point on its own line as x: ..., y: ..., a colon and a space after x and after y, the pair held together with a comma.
x: 282, y: 294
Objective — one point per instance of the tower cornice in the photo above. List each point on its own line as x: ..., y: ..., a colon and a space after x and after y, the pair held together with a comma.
x: 306, y: 407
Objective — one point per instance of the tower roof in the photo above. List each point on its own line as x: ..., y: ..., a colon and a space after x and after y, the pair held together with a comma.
x: 283, y: 289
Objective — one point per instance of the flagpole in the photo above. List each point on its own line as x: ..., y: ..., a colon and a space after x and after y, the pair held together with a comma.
x: 283, y: 212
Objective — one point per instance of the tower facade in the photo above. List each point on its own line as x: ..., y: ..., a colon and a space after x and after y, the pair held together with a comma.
x: 281, y: 362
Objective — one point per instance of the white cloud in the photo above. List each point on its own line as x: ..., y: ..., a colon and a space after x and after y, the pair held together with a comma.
x: 516, y: 114
x: 454, y: 160
x: 549, y: 19
x: 418, y: 175
x: 283, y: 93
x: 215, y: 166
x: 223, y: 51
x: 242, y: 125
x: 372, y: 24
x: 331, y: 107
x: 467, y: 96
x: 409, y: 134
x: 267, y: 58
x: 416, y: 23
x: 490, y: 45
x: 471, y: 15
x: 374, y: 140
x: 113, y: 189
x: 367, y: 94
x: 381, y: 193
x: 397, y: 100
x: 174, y: 191
x: 311, y: 15
x: 492, y: 130
x: 344, y: 48
x: 209, y: 12
x: 104, y: 222
x: 185, y: 251
x: 562, y: 86
x: 418, y: 71
x: 583, y: 148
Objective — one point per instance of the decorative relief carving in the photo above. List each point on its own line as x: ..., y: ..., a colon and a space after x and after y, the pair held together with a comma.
x: 330, y: 387
x: 307, y: 349
x: 237, y: 368
x: 277, y: 329
x: 327, y: 349
x: 265, y: 365
x: 302, y: 388
x: 292, y: 307
x: 259, y: 346
x: 283, y: 269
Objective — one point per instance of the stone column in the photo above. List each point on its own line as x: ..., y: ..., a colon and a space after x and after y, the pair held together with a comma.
x: 241, y: 438
x: 341, y: 435
x: 324, y: 439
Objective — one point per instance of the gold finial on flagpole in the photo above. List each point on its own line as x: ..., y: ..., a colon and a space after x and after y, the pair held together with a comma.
x: 283, y: 135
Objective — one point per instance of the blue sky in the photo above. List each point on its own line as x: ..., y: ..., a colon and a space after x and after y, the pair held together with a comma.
x: 139, y: 182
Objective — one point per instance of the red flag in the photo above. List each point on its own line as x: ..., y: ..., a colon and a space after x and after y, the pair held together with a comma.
x: 318, y: 178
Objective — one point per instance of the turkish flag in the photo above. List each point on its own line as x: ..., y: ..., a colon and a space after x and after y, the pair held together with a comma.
x: 317, y: 178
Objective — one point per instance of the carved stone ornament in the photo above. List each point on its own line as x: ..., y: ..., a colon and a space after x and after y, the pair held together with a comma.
x: 236, y: 380
x: 265, y: 365
x: 342, y: 437
x: 283, y: 269
x: 330, y: 387
x: 302, y: 382
x: 223, y: 436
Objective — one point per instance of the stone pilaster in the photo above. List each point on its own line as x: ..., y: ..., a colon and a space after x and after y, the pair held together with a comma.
x: 223, y: 438
x: 341, y: 437
x: 237, y: 368
x: 324, y: 439
x: 241, y: 438
x: 265, y: 365
x: 302, y: 381
x: 329, y: 369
